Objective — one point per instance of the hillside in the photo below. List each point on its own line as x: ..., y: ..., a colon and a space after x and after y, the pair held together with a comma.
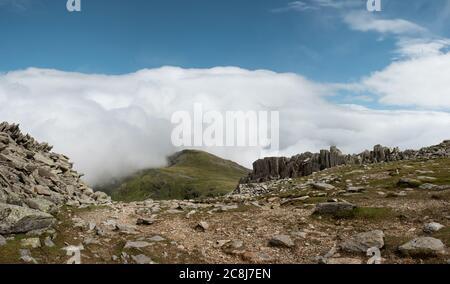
x: 395, y: 211
x: 190, y: 174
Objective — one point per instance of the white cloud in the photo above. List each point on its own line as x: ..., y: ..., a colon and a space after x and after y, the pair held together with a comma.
x: 366, y: 22
x: 308, y: 5
x: 113, y: 125
x: 420, y: 82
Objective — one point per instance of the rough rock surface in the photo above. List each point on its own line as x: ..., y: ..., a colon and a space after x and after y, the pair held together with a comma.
x: 16, y: 219
x: 423, y: 246
x: 364, y: 241
x: 333, y: 208
x: 35, y: 182
x: 275, y: 168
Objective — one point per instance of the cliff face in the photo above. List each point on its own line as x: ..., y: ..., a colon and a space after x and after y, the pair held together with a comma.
x: 305, y: 164
x: 35, y: 182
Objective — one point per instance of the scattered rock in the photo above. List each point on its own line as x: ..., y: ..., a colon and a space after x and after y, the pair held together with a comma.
x: 354, y: 189
x: 409, y: 182
x: 16, y: 219
x: 363, y: 241
x: 137, y: 245
x: 281, y: 241
x: 48, y: 242
x: 25, y: 255
x: 41, y: 204
x: 202, y: 226
x: 426, y: 179
x: 323, y: 186
x: 234, y: 247
x: 156, y: 239
x: 142, y: 259
x: 2, y: 241
x: 144, y: 222
x: 31, y: 243
x: 423, y: 246
x: 432, y: 227
x: 333, y: 208
x: 346, y: 260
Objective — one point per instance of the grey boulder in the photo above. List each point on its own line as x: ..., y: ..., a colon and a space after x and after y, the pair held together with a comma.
x: 364, y: 241
x: 423, y: 246
x: 15, y: 219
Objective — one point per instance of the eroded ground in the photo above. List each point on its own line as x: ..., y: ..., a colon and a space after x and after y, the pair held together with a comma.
x: 238, y: 229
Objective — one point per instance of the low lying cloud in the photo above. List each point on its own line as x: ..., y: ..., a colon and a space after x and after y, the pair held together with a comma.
x: 113, y: 125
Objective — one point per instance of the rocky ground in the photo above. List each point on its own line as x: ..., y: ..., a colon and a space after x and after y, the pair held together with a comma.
x: 334, y: 216
x: 389, y: 212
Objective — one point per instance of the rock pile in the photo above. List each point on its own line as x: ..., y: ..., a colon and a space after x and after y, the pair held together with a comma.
x: 275, y: 168
x: 35, y: 182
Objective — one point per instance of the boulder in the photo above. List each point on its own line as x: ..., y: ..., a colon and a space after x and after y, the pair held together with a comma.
x: 422, y: 247
x: 363, y: 241
x: 41, y: 204
x: 15, y: 219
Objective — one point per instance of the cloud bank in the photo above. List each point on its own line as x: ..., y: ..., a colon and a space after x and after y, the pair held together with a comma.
x: 113, y: 125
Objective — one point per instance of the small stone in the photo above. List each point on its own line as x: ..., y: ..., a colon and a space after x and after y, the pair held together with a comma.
x: 142, y: 259
x: 221, y: 243
x: 234, y: 247
x: 429, y: 186
x: 144, y: 222
x: 323, y: 186
x: 409, y: 182
x: 156, y: 239
x: 339, y: 261
x: 281, y: 241
x: 25, y: 256
x: 90, y: 241
x: 31, y: 243
x: 354, y: 189
x: 426, y: 179
x: 48, y: 242
x: 2, y: 241
x: 202, y: 226
x: 136, y: 245
x: 432, y: 227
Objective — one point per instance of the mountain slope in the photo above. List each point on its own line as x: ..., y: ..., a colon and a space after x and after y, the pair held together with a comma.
x: 190, y: 174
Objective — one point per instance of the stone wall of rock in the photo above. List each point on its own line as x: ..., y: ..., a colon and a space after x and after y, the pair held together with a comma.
x: 274, y: 168
x: 35, y: 182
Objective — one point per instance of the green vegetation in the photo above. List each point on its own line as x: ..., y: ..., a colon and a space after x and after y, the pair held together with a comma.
x: 191, y: 174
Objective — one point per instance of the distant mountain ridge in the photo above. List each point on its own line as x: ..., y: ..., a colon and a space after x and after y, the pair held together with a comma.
x: 275, y: 168
x: 190, y: 174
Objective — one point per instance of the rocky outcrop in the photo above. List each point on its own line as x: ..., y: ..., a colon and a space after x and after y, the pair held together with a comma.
x: 35, y: 182
x: 275, y: 168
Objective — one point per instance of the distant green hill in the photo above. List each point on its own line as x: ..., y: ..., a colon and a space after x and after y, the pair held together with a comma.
x: 190, y: 174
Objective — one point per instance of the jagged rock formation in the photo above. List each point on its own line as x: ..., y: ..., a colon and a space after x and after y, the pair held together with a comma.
x: 275, y: 168
x: 35, y: 182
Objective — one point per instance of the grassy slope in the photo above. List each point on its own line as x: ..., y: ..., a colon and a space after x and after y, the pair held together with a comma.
x: 192, y: 174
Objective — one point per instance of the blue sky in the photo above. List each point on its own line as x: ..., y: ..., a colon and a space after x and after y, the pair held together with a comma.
x: 118, y: 37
